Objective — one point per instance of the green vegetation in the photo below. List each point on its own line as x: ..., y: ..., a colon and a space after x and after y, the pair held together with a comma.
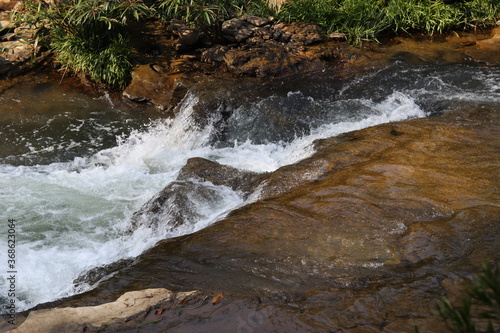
x: 90, y: 37
x: 87, y: 36
x: 366, y: 19
x: 205, y: 13
x: 480, y: 310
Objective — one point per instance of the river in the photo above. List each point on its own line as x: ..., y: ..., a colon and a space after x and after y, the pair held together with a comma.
x: 74, y: 166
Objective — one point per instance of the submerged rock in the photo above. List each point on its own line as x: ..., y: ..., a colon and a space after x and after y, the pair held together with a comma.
x: 155, y: 84
x: 198, y: 193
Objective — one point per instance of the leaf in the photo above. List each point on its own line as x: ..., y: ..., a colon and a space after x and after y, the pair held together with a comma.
x: 217, y: 299
x: 159, y: 311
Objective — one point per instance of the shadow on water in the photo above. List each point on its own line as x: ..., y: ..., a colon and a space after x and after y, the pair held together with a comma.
x: 46, y: 121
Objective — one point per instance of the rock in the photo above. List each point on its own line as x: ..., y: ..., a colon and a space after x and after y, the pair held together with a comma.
x: 197, y: 185
x: 128, y: 306
x: 15, y: 57
x: 337, y: 35
x: 369, y: 232
x: 180, y: 204
x: 264, y: 49
x: 188, y: 37
x: 94, y: 275
x: 230, y: 28
x: 5, y: 26
x: 152, y: 84
x: 7, y: 5
x: 256, y: 20
x: 236, y: 30
x: 218, y: 174
x: 305, y: 34
x: 214, y: 55
x: 268, y: 58
x: 487, y: 50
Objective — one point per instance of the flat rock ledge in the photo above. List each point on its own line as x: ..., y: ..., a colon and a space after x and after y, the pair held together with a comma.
x: 131, y: 305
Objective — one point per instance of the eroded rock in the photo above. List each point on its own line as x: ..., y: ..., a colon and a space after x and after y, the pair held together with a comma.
x: 487, y: 50
x: 82, y: 319
x: 218, y: 174
x: 369, y: 231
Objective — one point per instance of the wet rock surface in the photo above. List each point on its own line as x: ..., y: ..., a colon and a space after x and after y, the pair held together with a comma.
x: 218, y: 174
x: 197, y: 184
x: 368, y: 234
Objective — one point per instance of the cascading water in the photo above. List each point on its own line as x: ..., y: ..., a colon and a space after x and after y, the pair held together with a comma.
x: 72, y: 181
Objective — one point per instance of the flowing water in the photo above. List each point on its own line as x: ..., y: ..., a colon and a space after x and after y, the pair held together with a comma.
x: 75, y: 167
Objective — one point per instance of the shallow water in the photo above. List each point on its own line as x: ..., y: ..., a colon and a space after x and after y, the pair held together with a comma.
x: 74, y: 167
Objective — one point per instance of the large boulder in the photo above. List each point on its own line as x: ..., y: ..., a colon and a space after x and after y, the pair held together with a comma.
x: 368, y: 232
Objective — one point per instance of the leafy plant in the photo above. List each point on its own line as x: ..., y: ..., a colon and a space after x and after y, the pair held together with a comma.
x: 480, y: 308
x: 87, y: 36
x: 204, y: 13
x: 365, y: 19
x: 480, y: 13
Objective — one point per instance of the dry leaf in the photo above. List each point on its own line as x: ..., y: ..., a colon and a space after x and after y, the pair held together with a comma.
x: 217, y: 299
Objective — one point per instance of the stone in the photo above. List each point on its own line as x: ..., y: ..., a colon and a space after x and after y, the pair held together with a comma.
x: 214, y: 55
x: 337, y: 35
x: 236, y: 30
x: 264, y: 49
x: 151, y: 84
x: 256, y: 20
x: 487, y: 50
x: 219, y: 174
x: 5, y: 26
x: 7, y: 5
x: 188, y: 37
x: 177, y: 204
x: 128, y: 306
x: 306, y: 34
x: 370, y: 231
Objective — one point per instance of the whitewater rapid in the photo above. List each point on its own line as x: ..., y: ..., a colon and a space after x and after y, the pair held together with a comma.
x: 72, y: 216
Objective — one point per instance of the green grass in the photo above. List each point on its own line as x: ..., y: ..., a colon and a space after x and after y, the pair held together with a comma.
x: 480, y: 308
x: 366, y: 19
